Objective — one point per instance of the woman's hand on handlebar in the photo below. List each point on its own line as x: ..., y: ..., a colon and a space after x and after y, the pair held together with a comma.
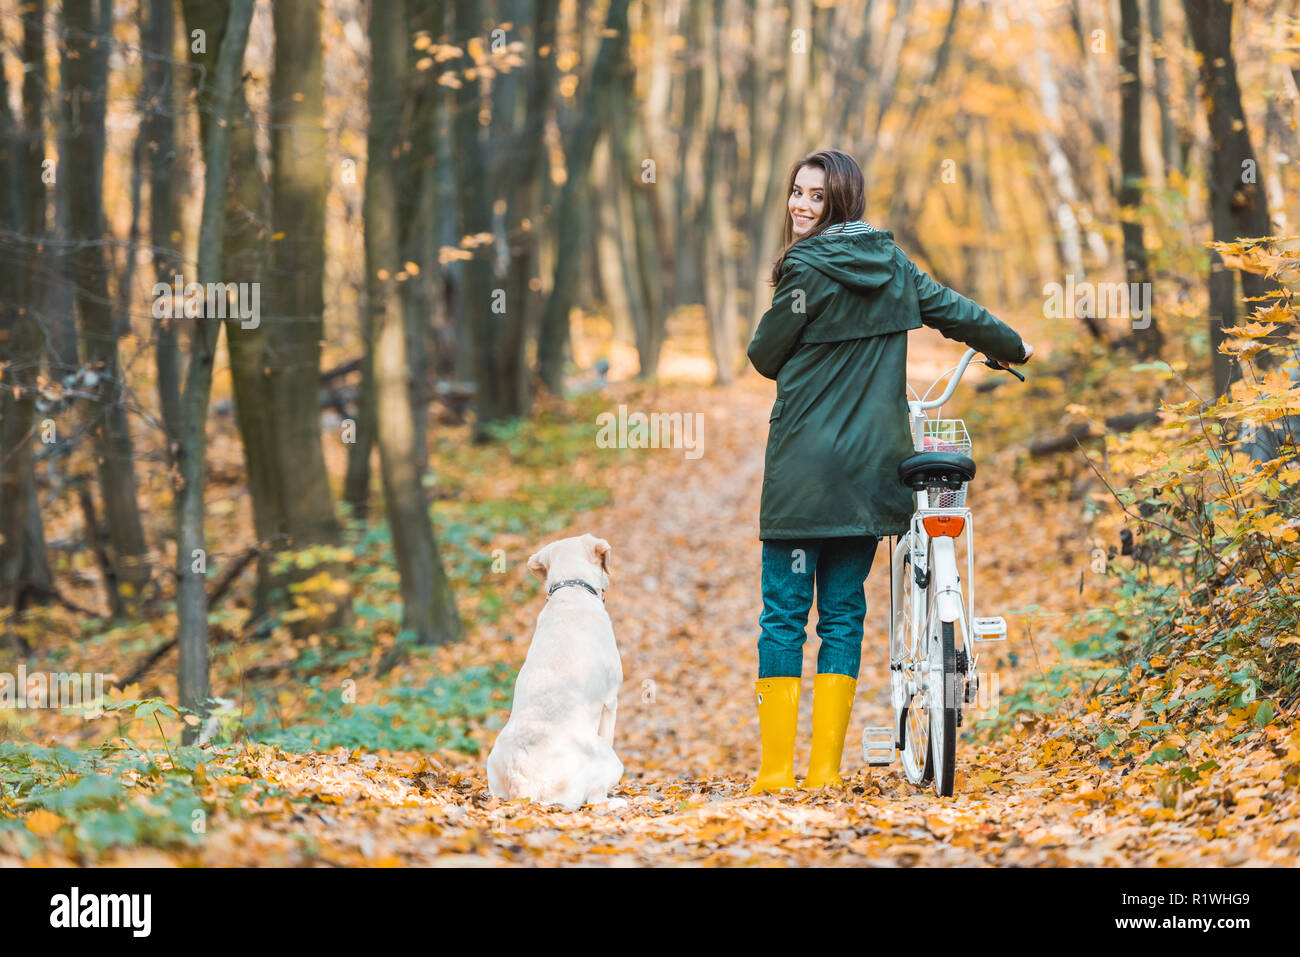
x: 995, y: 364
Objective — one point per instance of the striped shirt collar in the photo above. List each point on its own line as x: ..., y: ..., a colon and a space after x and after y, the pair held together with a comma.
x: 850, y: 229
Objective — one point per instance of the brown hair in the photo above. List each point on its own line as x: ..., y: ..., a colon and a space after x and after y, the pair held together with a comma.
x: 846, y: 198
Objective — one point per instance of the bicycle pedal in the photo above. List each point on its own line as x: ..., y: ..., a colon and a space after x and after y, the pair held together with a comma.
x: 878, y: 746
x: 989, y: 629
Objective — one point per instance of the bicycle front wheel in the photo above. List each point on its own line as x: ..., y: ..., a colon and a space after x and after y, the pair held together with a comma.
x: 907, y: 660
x: 916, y: 754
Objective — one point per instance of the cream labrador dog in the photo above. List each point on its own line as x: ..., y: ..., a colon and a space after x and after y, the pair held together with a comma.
x: 558, y: 746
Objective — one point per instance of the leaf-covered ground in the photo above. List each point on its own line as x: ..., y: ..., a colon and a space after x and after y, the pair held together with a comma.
x: 1149, y: 764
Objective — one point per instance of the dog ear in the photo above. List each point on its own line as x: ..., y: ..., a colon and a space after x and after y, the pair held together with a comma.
x: 539, y: 562
x: 600, y: 552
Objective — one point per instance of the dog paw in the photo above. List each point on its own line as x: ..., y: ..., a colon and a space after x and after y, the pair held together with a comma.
x: 611, y: 804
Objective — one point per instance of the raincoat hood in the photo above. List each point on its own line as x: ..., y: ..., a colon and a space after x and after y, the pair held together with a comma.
x: 856, y: 255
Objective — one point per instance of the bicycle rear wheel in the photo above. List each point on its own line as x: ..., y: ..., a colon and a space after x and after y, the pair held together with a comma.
x: 943, y: 702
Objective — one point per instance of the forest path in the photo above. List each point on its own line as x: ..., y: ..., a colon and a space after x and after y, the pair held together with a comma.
x: 684, y: 603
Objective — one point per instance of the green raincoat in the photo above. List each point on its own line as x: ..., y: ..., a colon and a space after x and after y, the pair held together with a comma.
x: 835, y: 341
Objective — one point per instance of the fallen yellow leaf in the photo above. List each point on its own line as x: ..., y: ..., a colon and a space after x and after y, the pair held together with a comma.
x: 43, y: 822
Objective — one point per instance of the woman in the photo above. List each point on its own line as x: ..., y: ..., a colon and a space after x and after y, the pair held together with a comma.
x: 835, y: 341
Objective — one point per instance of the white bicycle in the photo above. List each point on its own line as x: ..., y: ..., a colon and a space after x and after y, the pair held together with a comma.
x: 933, y: 629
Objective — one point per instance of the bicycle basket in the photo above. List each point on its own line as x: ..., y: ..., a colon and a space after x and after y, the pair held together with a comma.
x: 946, y: 435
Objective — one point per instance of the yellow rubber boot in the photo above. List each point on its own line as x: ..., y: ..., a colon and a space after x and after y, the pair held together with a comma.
x: 778, y: 716
x: 832, y: 702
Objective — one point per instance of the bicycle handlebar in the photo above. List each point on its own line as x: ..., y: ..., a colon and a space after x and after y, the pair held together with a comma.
x: 952, y: 383
x: 957, y: 374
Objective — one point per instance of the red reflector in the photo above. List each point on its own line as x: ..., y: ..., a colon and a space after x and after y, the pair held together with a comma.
x: 943, y: 526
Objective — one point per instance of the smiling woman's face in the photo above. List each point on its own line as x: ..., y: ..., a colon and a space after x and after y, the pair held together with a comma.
x: 807, y: 199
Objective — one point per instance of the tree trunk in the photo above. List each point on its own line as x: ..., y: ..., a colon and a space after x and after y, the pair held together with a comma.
x: 640, y: 224
x: 226, y: 27
x: 762, y: 155
x: 1094, y: 112
x: 713, y: 230
x: 474, y: 192
x: 523, y: 215
x: 429, y: 609
x: 275, y: 364
x: 1188, y: 142
x: 607, y: 245
x: 596, y: 110
x: 659, y: 141
x: 35, y: 567
x: 689, y: 181
x: 1170, y: 152
x: 1147, y: 340
x: 767, y: 194
x: 446, y: 235
x: 85, y: 80
x: 164, y: 199
x: 22, y: 227
x: 58, y: 298
x: 1066, y: 197
x: 418, y: 146
x: 1238, y: 206
x: 299, y: 181
x: 356, y: 483
x: 245, y: 254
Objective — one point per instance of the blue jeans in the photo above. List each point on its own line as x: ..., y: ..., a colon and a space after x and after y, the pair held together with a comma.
x: 838, y: 567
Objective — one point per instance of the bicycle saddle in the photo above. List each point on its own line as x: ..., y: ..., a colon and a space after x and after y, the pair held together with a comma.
x: 936, y: 470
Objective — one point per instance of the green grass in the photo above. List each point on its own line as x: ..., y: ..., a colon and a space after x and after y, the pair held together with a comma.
x: 441, y: 713
x: 108, y: 796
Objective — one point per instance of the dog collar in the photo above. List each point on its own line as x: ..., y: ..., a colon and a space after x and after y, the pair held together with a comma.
x: 573, y: 581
